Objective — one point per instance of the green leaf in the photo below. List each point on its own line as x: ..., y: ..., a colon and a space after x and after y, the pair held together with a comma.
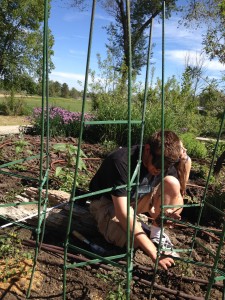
x: 59, y: 147
x: 58, y: 171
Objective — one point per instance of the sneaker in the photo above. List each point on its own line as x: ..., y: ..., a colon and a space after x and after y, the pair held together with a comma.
x: 166, y: 244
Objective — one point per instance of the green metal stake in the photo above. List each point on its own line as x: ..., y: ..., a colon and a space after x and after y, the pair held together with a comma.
x: 216, y: 260
x: 162, y: 172
x: 78, y: 150
x: 44, y: 76
x: 129, y: 249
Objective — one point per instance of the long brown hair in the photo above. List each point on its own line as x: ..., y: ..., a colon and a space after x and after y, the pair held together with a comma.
x: 181, y: 172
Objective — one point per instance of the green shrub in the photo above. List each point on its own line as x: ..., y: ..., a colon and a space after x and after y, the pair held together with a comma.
x: 12, y: 106
x: 153, y: 120
x: 110, y: 107
x: 211, y: 148
x: 115, y: 107
x: 194, y: 147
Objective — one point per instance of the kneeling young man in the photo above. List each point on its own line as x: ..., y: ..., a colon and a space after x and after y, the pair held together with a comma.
x: 110, y: 211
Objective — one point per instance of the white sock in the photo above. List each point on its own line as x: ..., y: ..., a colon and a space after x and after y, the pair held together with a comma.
x: 155, y: 231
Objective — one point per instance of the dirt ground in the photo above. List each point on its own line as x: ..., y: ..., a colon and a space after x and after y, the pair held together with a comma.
x: 99, y: 280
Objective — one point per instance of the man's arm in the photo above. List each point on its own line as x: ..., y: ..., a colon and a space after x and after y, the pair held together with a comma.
x: 140, y: 238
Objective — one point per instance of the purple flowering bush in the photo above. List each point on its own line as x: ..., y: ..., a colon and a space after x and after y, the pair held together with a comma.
x: 61, y: 122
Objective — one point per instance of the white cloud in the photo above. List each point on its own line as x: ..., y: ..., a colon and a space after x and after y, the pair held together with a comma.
x: 180, y: 56
x: 68, y: 75
x: 215, y: 66
x: 104, y: 17
x: 74, y: 16
x: 77, y: 52
x: 79, y: 36
x: 70, y: 78
x: 194, y: 58
x: 77, y: 15
x: 176, y: 35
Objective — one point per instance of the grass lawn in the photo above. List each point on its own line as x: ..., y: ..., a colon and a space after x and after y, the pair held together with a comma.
x: 74, y: 105
x: 66, y: 103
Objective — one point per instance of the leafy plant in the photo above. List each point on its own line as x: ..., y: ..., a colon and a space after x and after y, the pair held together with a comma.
x: 210, y: 145
x: 66, y: 173
x: 11, y: 254
x: 194, y: 147
x: 20, y: 145
x: 185, y: 268
x: 9, y: 245
x: 109, y: 145
x: 117, y: 280
x: 70, y: 152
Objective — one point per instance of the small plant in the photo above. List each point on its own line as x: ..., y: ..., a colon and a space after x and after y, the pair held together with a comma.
x: 12, y: 193
x: 11, y: 254
x: 66, y: 173
x: 9, y: 245
x: 109, y: 145
x: 70, y: 151
x: 20, y: 145
x: 117, y: 280
x: 185, y: 268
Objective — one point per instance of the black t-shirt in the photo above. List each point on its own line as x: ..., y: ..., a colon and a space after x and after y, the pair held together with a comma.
x: 113, y: 172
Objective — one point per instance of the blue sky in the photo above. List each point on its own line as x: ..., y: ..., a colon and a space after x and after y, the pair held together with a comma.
x: 70, y: 28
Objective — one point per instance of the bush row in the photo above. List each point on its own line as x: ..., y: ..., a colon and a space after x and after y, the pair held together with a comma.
x: 65, y: 123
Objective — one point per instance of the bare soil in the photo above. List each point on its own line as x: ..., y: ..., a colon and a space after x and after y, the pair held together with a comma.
x: 99, y: 280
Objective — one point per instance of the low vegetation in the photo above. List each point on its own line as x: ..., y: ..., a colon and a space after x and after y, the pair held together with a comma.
x: 22, y: 105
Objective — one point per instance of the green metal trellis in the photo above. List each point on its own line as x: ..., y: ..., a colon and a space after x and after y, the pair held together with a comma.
x: 216, y: 269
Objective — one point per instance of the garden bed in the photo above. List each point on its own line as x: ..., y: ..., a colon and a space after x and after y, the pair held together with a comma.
x: 99, y: 281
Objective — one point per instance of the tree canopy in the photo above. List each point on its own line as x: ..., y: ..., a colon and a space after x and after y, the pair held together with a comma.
x: 142, y: 12
x: 209, y: 14
x: 21, y: 39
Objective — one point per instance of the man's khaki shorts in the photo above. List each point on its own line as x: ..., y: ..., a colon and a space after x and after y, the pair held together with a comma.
x: 108, y: 224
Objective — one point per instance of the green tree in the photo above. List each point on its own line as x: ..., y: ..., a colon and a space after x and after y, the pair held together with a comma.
x: 211, y: 15
x: 21, y: 40
x: 213, y: 100
x: 65, y: 90
x: 74, y: 93
x: 142, y: 12
x: 54, y: 88
x: 28, y: 84
x: 57, y: 88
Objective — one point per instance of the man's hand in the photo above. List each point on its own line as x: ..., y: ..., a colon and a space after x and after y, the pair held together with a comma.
x: 166, y: 262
